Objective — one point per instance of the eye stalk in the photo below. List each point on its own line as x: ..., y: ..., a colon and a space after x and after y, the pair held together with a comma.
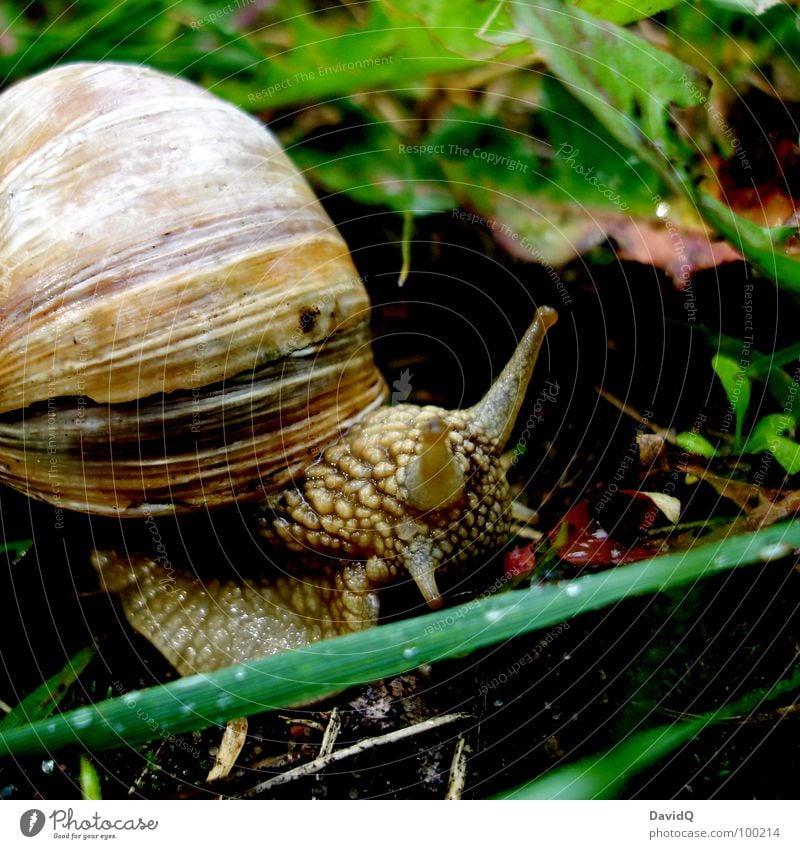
x: 434, y: 479
x: 495, y: 415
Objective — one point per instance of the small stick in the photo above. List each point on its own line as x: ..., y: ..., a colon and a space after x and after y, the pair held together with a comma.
x: 322, y: 762
x: 458, y: 770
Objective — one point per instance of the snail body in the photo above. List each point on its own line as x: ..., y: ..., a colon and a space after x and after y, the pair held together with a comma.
x: 182, y: 328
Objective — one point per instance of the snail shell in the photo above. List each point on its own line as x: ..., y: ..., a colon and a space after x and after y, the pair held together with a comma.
x: 181, y: 326
x: 180, y: 322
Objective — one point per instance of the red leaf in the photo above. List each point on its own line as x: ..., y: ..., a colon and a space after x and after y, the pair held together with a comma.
x: 519, y: 562
x: 588, y: 544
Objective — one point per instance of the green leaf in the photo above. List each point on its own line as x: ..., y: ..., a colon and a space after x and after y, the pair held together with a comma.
x: 695, y: 444
x: 17, y: 549
x: 763, y: 247
x: 48, y: 695
x: 603, y: 776
x: 89, y: 780
x: 733, y: 377
x: 622, y: 12
x: 461, y: 32
x: 374, y: 165
x: 321, y: 669
x: 768, y: 435
x: 626, y: 82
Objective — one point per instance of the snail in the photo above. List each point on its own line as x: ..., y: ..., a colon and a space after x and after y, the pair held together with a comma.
x: 182, y: 328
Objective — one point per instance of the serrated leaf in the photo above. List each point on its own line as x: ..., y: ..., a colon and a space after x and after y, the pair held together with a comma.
x: 626, y: 82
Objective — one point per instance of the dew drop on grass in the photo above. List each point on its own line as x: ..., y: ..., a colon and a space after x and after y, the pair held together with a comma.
x: 774, y: 551
x: 82, y: 720
x: 409, y: 653
x: 239, y: 675
x: 50, y: 727
x: 573, y: 590
x: 494, y: 616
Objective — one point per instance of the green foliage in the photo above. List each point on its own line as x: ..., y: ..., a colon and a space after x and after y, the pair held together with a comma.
x: 89, y: 780
x: 737, y: 388
x: 769, y: 433
x: 16, y: 549
x: 321, y: 669
x: 604, y: 775
x: 627, y: 84
x: 40, y: 703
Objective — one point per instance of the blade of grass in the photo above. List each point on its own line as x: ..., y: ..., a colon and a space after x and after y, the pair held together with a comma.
x: 602, y: 776
x: 17, y: 549
x: 324, y: 668
x: 46, y: 697
x: 89, y: 780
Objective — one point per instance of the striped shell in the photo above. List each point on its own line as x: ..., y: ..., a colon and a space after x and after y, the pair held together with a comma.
x: 180, y: 322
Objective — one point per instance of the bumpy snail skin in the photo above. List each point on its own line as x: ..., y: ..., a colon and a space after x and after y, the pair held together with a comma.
x: 410, y: 489
x: 200, y: 626
x: 406, y: 491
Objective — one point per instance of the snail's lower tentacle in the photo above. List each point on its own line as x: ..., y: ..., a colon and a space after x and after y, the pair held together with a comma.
x: 200, y: 626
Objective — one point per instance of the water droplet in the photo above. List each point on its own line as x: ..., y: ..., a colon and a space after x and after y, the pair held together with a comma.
x: 498, y: 703
x: 774, y: 551
x: 409, y: 653
x: 494, y: 616
x: 82, y: 720
x: 662, y: 210
x: 48, y: 767
x: 130, y: 701
x: 573, y: 589
x: 239, y: 675
x: 50, y: 727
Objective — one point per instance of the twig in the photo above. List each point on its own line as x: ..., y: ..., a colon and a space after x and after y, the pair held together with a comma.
x: 458, y: 770
x: 233, y: 739
x: 633, y: 413
x: 332, y: 730
x: 322, y: 762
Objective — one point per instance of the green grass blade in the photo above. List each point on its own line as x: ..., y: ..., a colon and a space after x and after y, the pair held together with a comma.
x: 16, y: 549
x: 327, y: 667
x: 46, y: 698
x: 89, y: 780
x: 602, y: 776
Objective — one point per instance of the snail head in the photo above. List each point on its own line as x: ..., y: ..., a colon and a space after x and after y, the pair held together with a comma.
x: 412, y: 489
